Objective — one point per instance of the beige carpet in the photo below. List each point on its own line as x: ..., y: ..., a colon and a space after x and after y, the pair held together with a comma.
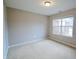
x: 45, y: 49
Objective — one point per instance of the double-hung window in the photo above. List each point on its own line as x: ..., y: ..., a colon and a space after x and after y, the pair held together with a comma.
x: 63, y: 26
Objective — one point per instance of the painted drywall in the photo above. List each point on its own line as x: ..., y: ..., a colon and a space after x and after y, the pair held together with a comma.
x: 66, y: 40
x: 5, y: 35
x: 25, y: 26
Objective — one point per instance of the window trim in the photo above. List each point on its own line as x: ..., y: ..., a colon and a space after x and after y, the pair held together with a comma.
x: 63, y: 26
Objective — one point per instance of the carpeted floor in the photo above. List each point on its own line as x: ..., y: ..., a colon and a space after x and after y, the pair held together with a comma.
x: 45, y: 49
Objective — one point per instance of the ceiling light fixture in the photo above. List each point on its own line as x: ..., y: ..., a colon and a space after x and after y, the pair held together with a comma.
x: 48, y: 3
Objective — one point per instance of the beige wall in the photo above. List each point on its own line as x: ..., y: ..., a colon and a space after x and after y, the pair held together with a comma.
x: 25, y: 26
x: 65, y: 40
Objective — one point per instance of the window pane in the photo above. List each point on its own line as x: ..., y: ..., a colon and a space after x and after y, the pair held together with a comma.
x: 56, y: 30
x: 57, y: 22
x: 63, y: 26
x: 67, y: 21
x: 67, y: 31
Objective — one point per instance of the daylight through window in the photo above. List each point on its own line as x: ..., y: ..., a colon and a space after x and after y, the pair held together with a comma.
x: 63, y: 26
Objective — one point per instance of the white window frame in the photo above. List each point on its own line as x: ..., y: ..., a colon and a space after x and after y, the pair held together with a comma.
x: 61, y: 33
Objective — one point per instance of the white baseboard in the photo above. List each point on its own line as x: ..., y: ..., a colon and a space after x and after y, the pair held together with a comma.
x: 28, y: 42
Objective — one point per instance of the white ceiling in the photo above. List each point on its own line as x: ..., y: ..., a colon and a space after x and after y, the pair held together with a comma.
x: 35, y: 6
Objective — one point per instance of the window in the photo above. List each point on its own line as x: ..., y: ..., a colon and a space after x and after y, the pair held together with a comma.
x: 63, y: 26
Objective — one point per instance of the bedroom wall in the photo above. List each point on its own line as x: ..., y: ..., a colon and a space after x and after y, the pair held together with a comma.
x: 5, y: 33
x: 66, y: 40
x: 25, y: 26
